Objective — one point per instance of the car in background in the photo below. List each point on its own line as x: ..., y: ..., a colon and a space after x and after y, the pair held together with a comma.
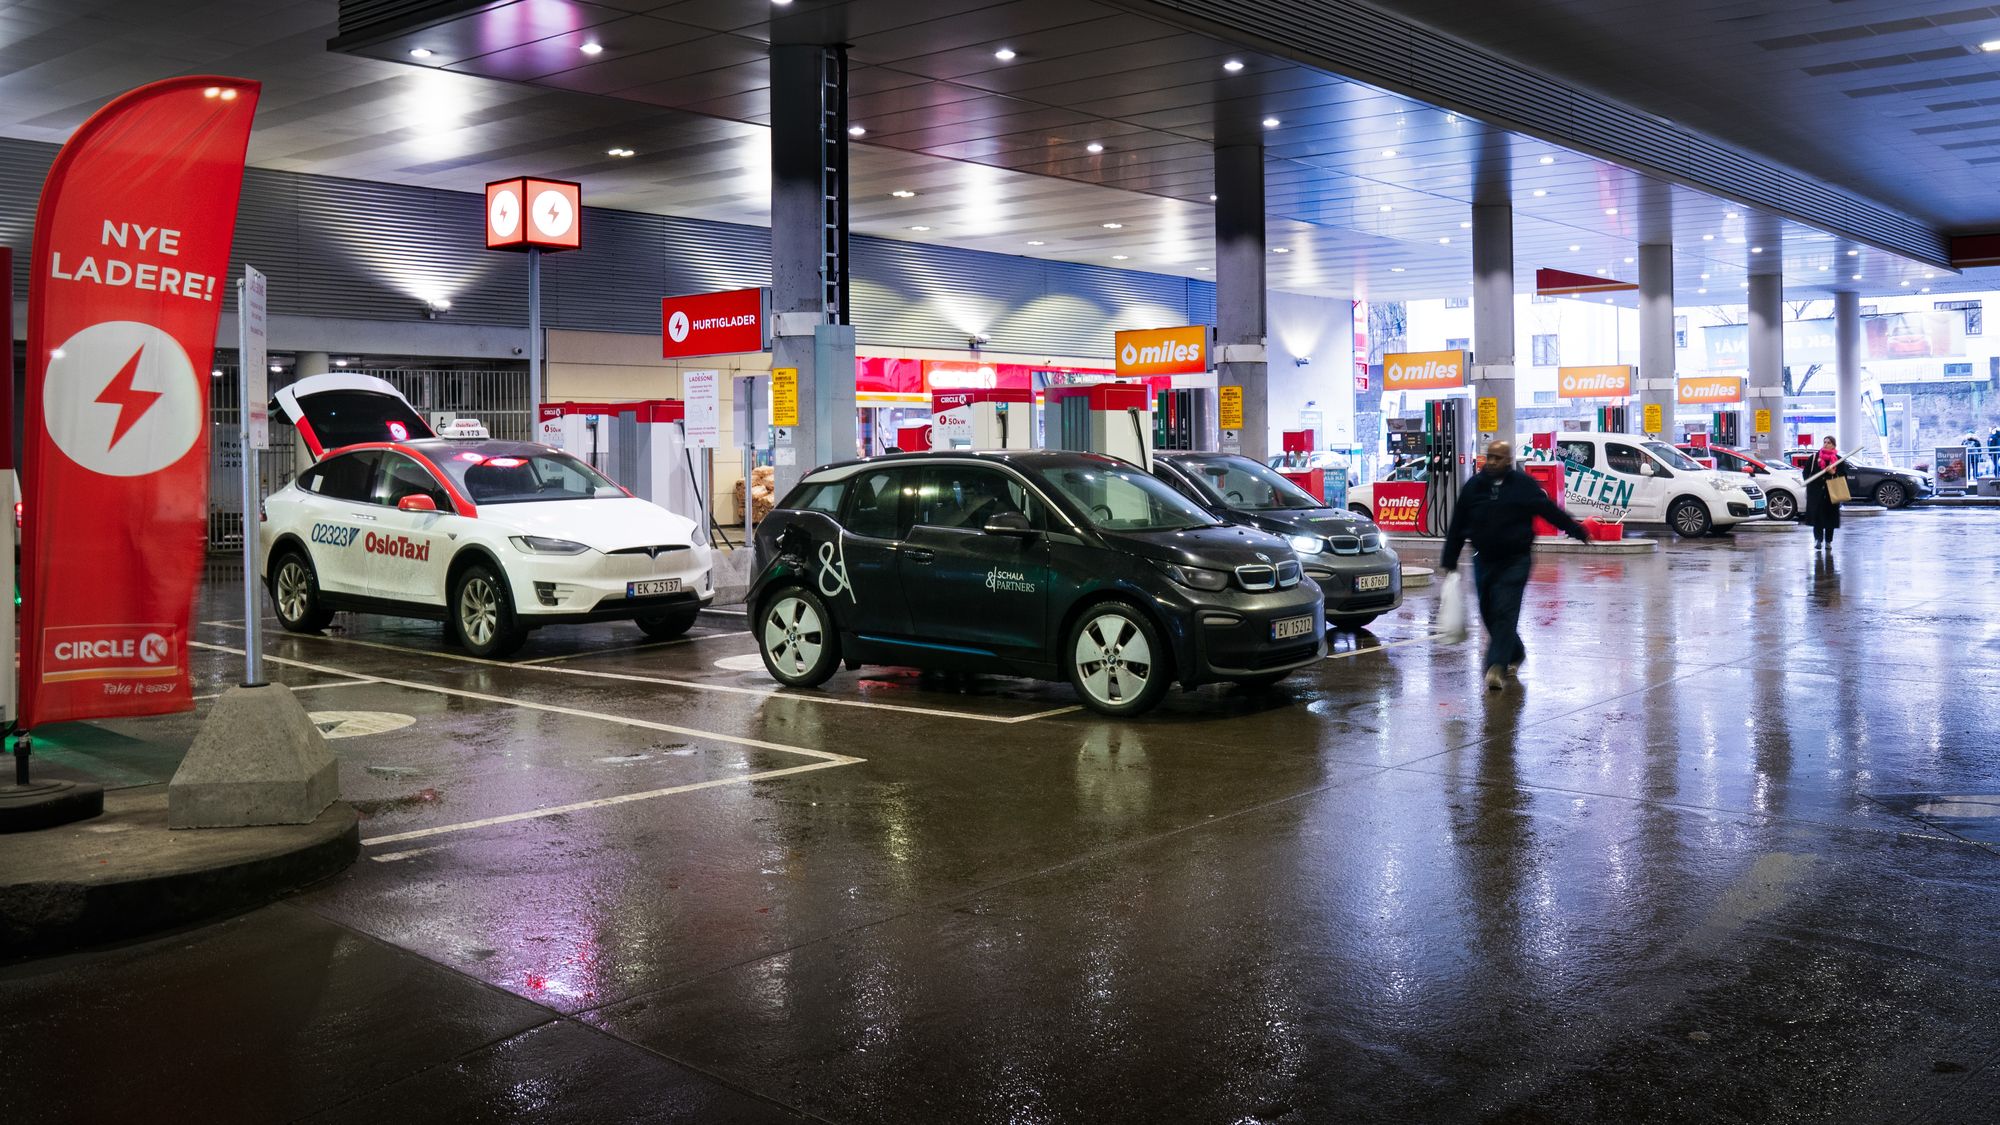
x: 1357, y: 571
x: 1784, y: 487
x: 1869, y: 482
x: 1047, y: 564
x: 1641, y: 479
x: 1361, y: 499
x: 495, y: 538
x: 1333, y: 464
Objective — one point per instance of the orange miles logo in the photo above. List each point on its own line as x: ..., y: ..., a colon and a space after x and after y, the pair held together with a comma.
x: 1163, y: 351
x: 1692, y: 390
x: 1423, y: 371
x: 1594, y: 382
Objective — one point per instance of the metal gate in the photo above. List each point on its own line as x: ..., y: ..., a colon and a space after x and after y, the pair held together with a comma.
x: 497, y: 398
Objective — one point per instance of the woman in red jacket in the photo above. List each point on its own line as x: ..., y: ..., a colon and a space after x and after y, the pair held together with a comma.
x: 1821, y: 512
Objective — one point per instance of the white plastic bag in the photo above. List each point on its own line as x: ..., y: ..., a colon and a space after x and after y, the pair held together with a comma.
x: 1451, y: 609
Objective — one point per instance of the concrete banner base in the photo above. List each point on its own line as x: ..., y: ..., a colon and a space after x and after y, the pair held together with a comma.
x: 258, y: 760
x: 1769, y: 525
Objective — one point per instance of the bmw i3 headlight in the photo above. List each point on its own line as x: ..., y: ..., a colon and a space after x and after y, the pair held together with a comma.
x: 538, y: 545
x: 1308, y: 544
x: 1195, y: 578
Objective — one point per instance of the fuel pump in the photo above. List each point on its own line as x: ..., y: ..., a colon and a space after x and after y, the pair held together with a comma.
x: 1183, y: 418
x: 1613, y: 419
x: 1728, y: 428
x: 1443, y: 437
x: 1114, y: 419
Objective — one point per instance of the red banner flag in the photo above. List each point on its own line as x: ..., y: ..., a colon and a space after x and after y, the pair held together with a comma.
x: 131, y: 247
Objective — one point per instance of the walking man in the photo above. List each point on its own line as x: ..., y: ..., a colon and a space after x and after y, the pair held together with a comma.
x: 1496, y: 512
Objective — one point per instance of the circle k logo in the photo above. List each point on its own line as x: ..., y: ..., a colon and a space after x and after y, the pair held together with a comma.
x: 677, y: 327
x: 152, y: 648
x: 121, y: 398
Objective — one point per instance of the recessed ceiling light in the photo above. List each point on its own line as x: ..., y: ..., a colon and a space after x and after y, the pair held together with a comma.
x: 1385, y: 207
x: 1603, y: 272
x: 1201, y: 269
x: 420, y: 52
x: 1120, y: 257
x: 1729, y: 214
x: 1704, y: 277
x: 1990, y: 45
x: 1607, y: 300
x: 277, y: 368
x: 781, y: 3
x: 1093, y: 147
x: 1444, y: 242
x: 1925, y: 289
x: 1823, y: 269
x: 920, y: 228
x: 1756, y: 249
x: 1272, y: 123
x: 1388, y: 152
x: 1611, y: 210
x: 1708, y: 238
x: 1857, y: 277
x: 1233, y: 65
x: 1281, y: 249
x: 903, y: 193
x: 592, y: 48
x: 215, y: 374
x: 1004, y: 54
x: 1574, y: 248
x: 1465, y: 226
x: 1213, y: 197
x: 1036, y: 242
x: 1548, y: 160
x: 1745, y: 284
x: 1928, y: 276
x: 1906, y: 281
x: 1852, y: 253
x: 618, y: 152
x: 1701, y: 290
x: 1628, y: 261
x: 1114, y: 226
x: 856, y: 131
x: 1395, y: 269
x: 1540, y: 193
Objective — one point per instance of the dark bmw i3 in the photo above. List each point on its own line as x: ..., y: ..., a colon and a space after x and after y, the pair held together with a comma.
x: 1046, y: 564
x: 1344, y: 552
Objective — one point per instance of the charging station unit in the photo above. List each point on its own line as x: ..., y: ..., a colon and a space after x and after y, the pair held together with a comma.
x: 1115, y: 419
x: 985, y: 418
x: 641, y: 445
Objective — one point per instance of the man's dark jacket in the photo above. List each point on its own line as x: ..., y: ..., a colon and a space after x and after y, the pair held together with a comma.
x: 1498, y: 515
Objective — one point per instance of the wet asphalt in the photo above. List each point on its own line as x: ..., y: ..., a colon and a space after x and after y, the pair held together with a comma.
x: 1725, y: 854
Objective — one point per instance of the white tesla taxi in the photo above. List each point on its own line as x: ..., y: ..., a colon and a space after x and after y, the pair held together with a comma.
x: 493, y: 537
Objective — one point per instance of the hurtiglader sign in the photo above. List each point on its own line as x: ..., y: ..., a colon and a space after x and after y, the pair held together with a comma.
x: 131, y: 245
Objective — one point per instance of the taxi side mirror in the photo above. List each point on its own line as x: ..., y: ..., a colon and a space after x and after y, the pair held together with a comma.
x: 416, y: 502
x: 1009, y: 523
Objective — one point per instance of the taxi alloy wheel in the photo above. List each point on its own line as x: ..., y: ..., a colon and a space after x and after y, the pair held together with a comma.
x: 1690, y: 519
x: 795, y: 636
x: 295, y: 591
x: 482, y: 615
x: 1117, y: 662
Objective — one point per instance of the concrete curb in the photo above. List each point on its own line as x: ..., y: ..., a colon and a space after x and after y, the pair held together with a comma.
x: 1416, y: 577
x: 1767, y: 525
x: 126, y: 873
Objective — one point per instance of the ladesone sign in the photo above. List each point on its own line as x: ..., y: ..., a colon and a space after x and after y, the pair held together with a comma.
x: 1423, y: 371
x: 704, y: 324
x: 130, y: 247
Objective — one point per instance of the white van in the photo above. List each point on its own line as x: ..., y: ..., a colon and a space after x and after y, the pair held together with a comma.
x: 1645, y: 480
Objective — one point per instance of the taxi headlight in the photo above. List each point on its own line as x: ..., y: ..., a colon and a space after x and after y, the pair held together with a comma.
x: 1308, y: 544
x: 538, y: 545
x: 1195, y: 578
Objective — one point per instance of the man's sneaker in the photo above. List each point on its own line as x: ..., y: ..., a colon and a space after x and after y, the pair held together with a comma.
x: 1493, y: 680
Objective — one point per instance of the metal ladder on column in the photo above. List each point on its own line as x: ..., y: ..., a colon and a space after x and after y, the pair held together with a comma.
x: 833, y: 183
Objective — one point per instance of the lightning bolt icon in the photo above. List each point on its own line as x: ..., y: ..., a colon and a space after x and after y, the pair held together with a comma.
x: 132, y: 403
x: 555, y: 212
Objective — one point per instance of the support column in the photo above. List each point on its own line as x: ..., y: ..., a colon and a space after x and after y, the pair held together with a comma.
x: 1852, y: 426
x: 314, y: 363
x: 1766, y: 389
x: 809, y: 254
x: 1239, y: 293
x: 1493, y: 316
x: 1656, y: 336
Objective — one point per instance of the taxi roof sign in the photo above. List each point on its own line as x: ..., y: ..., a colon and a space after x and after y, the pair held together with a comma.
x: 464, y: 429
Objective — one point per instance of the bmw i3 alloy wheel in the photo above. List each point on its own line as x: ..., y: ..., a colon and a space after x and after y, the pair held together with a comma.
x: 796, y: 637
x: 1117, y: 661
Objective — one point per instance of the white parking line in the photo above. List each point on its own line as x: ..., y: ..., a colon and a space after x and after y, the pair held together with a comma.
x: 308, y: 687
x: 579, y: 806
x: 1379, y: 648
x: 667, y: 681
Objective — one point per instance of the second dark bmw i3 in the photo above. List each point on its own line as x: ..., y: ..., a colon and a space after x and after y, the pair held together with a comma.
x: 1046, y: 564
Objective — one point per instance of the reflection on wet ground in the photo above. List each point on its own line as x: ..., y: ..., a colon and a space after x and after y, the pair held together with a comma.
x: 1724, y: 854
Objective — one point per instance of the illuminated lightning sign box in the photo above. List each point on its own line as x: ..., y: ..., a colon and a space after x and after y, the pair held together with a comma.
x: 1695, y: 390
x: 1594, y: 382
x: 1423, y: 371
x: 530, y: 214
x: 728, y: 323
x: 1163, y: 351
